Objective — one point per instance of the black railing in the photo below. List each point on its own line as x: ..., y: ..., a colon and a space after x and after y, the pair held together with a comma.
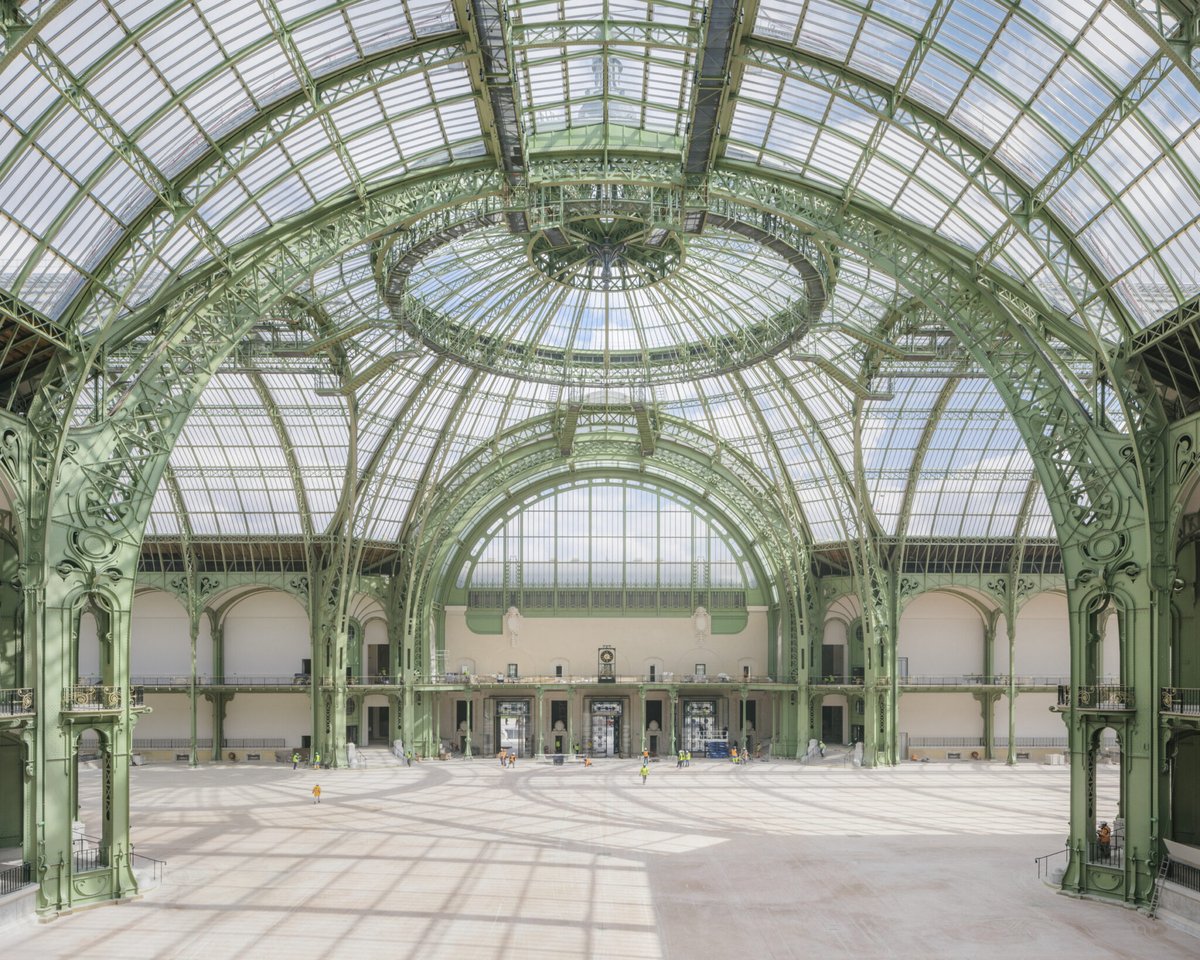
x: 88, y: 854
x: 1185, y: 700
x: 15, y: 702
x: 157, y: 868
x: 1106, y: 854
x: 1044, y: 862
x: 1184, y: 874
x: 269, y: 743
x: 945, y: 742
x: 14, y: 878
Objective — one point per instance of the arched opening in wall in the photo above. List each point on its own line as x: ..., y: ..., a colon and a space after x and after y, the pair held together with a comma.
x: 588, y: 573
x: 161, y: 656
x: 92, y: 795
x: 944, y: 658
x: 93, y: 659
x: 1105, y: 813
x: 264, y: 639
x: 1183, y: 764
x: 377, y: 654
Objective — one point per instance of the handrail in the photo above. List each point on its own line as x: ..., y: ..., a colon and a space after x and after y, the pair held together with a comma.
x: 1044, y: 860
x: 158, y: 868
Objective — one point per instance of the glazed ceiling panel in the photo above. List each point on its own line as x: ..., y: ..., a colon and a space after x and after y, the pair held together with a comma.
x: 160, y: 134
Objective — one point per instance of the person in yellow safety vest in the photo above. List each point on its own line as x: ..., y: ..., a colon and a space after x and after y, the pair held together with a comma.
x: 316, y: 761
x: 295, y: 759
x: 645, y: 771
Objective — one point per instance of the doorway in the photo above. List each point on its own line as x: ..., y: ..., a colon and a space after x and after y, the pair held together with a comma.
x: 606, y: 727
x: 699, y: 725
x: 831, y: 724
x: 377, y: 724
x: 512, y: 726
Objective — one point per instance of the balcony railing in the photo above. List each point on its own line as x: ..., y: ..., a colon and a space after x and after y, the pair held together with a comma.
x: 1097, y: 696
x: 236, y: 680
x: 99, y: 698
x: 1182, y: 700
x: 16, y: 702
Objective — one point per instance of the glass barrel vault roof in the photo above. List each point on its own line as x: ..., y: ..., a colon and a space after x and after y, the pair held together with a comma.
x: 1057, y: 143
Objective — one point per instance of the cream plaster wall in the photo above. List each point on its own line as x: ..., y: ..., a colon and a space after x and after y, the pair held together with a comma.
x: 265, y: 715
x: 266, y: 635
x: 1043, y: 648
x: 667, y: 642
x: 1033, y: 715
x: 170, y: 717
x: 941, y: 635
x: 159, y: 641
x: 940, y: 714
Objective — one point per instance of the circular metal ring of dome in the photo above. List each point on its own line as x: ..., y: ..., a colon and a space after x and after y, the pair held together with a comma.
x: 602, y: 297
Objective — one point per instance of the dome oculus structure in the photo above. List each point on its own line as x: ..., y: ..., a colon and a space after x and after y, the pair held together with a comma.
x: 605, y: 296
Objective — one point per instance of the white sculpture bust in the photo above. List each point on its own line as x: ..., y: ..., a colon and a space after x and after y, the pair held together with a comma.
x: 701, y: 623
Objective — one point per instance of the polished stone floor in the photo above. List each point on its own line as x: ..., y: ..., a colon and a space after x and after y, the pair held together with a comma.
x: 464, y: 859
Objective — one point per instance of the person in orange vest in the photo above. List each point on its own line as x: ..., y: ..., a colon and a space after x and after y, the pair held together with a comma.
x: 316, y: 792
x: 1104, y: 839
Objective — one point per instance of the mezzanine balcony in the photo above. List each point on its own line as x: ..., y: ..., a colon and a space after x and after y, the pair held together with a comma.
x: 1100, y: 697
x: 100, y: 698
x: 16, y: 702
x: 1180, y: 701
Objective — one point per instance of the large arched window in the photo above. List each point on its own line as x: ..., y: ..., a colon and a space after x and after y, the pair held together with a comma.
x: 608, y: 544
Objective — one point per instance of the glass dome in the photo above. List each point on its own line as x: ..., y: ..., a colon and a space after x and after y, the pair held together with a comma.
x: 603, y: 300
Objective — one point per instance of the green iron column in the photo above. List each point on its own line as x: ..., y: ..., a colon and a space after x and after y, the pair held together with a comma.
x: 571, y: 719
x: 1010, y: 626
x: 674, y: 719
x: 987, y: 702
x: 541, y: 723
x: 219, y: 700
x: 642, y: 714
x: 470, y: 723
x: 66, y: 710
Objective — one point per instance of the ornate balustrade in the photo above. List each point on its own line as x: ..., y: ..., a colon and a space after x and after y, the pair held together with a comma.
x: 1097, y: 696
x: 100, y: 698
x: 1181, y: 700
x: 16, y: 702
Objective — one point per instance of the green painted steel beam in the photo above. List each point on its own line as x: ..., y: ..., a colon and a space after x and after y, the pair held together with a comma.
x: 1055, y: 244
